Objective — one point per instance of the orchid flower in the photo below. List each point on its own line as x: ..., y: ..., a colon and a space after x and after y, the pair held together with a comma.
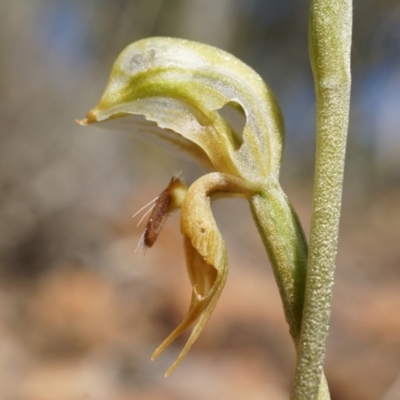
x: 170, y: 91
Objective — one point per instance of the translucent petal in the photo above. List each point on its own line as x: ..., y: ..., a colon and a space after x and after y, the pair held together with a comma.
x: 181, y: 85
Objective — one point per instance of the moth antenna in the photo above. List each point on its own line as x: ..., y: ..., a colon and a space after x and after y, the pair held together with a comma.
x: 146, y: 205
x: 146, y: 213
x: 177, y: 175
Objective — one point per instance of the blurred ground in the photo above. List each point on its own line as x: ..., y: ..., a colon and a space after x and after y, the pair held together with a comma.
x: 81, y: 312
x: 80, y: 331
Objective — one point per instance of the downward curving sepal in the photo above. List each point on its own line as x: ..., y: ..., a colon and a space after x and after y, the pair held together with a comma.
x: 206, y: 256
x: 207, y: 265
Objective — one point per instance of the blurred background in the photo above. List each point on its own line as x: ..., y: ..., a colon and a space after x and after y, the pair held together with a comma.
x: 81, y: 312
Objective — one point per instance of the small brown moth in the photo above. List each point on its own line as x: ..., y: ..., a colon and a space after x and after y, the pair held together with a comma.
x: 169, y: 200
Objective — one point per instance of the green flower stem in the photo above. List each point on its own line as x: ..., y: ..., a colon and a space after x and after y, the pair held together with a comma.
x: 286, y: 245
x: 330, y: 43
